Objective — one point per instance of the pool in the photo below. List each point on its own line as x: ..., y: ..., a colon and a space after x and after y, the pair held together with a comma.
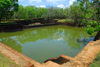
x: 43, y: 43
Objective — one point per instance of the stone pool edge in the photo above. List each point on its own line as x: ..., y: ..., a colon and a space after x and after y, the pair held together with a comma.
x: 17, y: 57
x: 83, y: 59
x: 86, y: 56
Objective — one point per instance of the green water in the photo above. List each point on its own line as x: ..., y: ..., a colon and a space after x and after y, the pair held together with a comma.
x: 47, y: 42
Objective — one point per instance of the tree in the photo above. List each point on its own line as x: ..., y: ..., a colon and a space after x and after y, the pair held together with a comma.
x: 56, y: 11
x: 75, y: 12
x: 66, y: 12
x: 31, y: 11
x: 15, y: 16
x: 50, y: 12
x: 40, y: 11
x: 88, y: 13
x: 7, y: 8
x: 61, y: 13
x: 21, y: 12
x: 44, y: 15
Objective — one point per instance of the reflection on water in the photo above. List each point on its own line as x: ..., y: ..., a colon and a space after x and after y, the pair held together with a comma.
x: 47, y: 42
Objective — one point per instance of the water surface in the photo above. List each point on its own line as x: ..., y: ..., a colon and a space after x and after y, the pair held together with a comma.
x: 47, y: 42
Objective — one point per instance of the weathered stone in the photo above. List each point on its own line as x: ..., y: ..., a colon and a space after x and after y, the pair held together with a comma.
x: 60, y: 60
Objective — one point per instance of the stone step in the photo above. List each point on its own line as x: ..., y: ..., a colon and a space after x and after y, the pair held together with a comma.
x: 51, y: 64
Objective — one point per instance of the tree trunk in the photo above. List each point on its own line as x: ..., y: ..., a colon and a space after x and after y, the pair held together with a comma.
x: 6, y: 19
x: 0, y: 20
x: 76, y: 20
x: 97, y: 37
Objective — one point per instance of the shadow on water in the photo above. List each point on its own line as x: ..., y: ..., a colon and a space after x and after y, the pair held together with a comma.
x: 86, y: 40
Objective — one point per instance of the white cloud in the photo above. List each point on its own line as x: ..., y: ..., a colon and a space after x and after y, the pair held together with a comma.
x: 42, y: 6
x: 71, y: 2
x: 20, y: 0
x: 62, y: 6
x: 59, y: 39
x: 54, y: 1
x: 30, y: 1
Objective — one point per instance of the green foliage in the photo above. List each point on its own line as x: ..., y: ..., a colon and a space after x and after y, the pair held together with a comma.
x: 76, y: 12
x: 40, y: 11
x: 30, y: 12
x: 89, y: 11
x: 20, y: 12
x: 7, y: 8
x: 89, y: 29
x: 34, y: 12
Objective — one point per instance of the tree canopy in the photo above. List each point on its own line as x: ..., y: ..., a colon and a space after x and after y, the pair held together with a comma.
x: 7, y: 8
x: 91, y: 10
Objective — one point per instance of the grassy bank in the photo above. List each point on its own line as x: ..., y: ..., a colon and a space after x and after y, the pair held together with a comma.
x: 65, y: 20
x: 96, y: 62
x: 5, y: 62
x: 70, y: 20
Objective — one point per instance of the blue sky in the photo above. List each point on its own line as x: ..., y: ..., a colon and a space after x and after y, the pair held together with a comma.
x: 45, y: 3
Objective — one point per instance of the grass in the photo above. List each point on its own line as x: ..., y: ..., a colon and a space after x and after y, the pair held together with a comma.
x: 5, y: 62
x: 7, y: 23
x: 65, y: 20
x: 11, y: 19
x: 69, y: 20
x: 96, y: 62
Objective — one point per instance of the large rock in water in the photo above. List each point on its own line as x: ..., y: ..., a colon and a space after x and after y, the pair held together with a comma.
x: 97, y: 37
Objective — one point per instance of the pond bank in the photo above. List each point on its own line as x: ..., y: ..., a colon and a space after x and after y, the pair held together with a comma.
x: 5, y: 62
x: 83, y: 59
x: 20, y: 26
x: 15, y: 56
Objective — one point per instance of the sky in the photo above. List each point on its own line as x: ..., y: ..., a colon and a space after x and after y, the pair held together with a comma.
x: 46, y: 3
